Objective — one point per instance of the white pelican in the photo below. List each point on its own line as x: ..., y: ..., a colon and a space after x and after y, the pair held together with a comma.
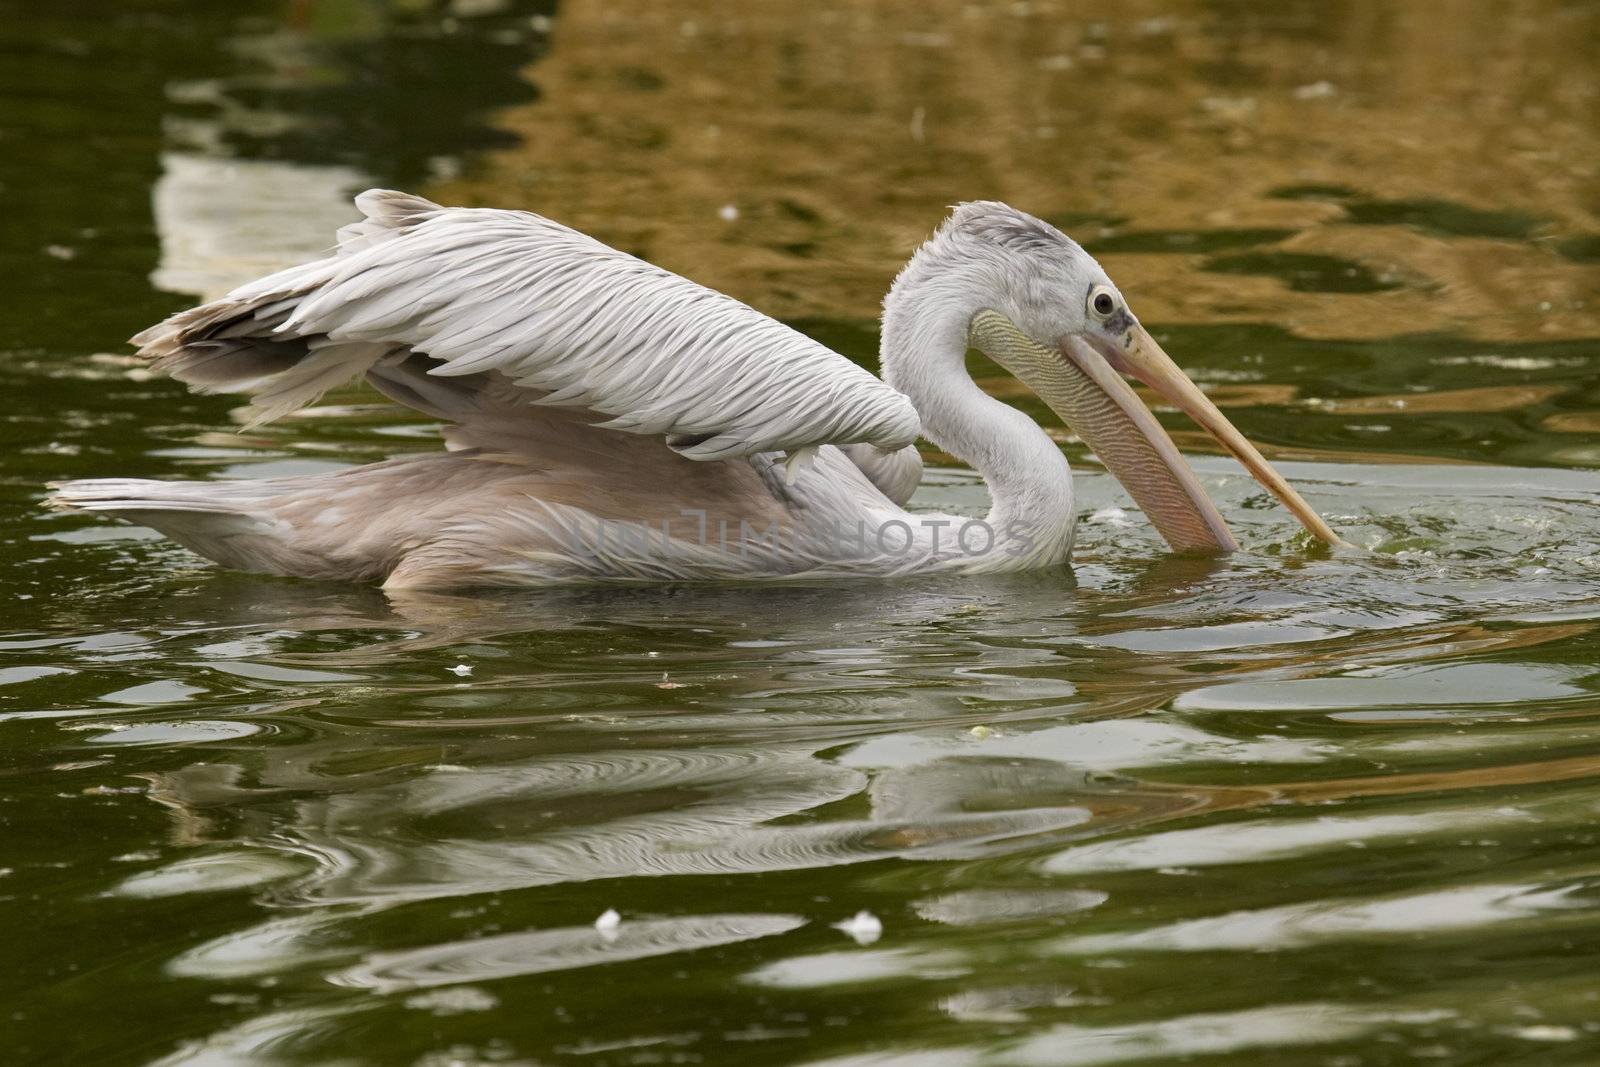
x: 609, y: 420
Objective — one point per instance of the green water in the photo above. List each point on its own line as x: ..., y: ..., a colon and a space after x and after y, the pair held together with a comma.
x: 1288, y: 807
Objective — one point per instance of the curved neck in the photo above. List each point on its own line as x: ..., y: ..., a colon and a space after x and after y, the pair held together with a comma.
x: 923, y: 352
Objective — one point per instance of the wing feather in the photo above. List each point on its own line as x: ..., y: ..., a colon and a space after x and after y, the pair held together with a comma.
x: 570, y: 320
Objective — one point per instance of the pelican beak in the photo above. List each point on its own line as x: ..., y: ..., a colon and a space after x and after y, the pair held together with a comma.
x: 1083, y: 383
x: 1140, y: 357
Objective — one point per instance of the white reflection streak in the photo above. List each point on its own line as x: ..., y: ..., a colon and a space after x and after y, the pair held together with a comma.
x: 267, y: 1039
x: 1301, y: 925
x: 1261, y: 840
x: 269, y: 948
x: 1105, y: 744
x: 855, y: 967
x: 562, y: 949
x: 1283, y: 1026
x: 979, y: 907
x: 208, y: 874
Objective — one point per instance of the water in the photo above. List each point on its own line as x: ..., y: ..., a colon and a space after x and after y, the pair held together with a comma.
x: 1286, y: 807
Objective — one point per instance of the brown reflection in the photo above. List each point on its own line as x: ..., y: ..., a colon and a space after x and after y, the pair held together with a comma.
x: 1572, y: 422
x: 1508, y: 397
x: 794, y: 154
x: 1190, y: 799
x: 1535, y: 773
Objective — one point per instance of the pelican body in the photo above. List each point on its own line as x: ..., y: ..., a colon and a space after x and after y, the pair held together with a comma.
x: 605, y: 419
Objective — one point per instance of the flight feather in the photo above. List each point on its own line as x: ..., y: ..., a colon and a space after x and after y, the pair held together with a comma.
x: 568, y: 320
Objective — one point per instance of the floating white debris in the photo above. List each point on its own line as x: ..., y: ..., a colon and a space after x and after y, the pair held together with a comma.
x: 607, y: 923
x: 461, y: 670
x: 980, y: 731
x: 864, y: 927
x: 1111, y: 516
x: 728, y: 213
x: 1314, y: 91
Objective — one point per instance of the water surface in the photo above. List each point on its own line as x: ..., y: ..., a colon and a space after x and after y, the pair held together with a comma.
x: 1291, y: 806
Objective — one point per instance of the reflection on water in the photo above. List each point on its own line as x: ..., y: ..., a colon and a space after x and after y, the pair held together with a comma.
x: 1287, y: 807
x: 1398, y: 169
x: 1050, y: 790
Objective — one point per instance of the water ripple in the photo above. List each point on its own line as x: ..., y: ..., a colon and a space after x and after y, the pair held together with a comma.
x: 566, y: 948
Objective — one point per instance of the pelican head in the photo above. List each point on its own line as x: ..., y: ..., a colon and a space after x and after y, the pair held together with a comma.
x: 1032, y: 300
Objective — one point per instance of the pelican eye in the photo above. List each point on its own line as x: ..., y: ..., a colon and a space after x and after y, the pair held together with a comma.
x: 1102, y: 303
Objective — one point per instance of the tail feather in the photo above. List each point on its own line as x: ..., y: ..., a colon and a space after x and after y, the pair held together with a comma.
x: 122, y: 494
x: 226, y: 521
x: 350, y: 524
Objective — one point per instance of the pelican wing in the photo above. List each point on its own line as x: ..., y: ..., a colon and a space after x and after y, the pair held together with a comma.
x: 485, y: 295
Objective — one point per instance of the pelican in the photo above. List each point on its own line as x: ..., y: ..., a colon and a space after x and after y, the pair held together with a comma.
x: 605, y: 419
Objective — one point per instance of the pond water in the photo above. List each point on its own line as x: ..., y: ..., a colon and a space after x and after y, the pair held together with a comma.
x: 1291, y: 806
